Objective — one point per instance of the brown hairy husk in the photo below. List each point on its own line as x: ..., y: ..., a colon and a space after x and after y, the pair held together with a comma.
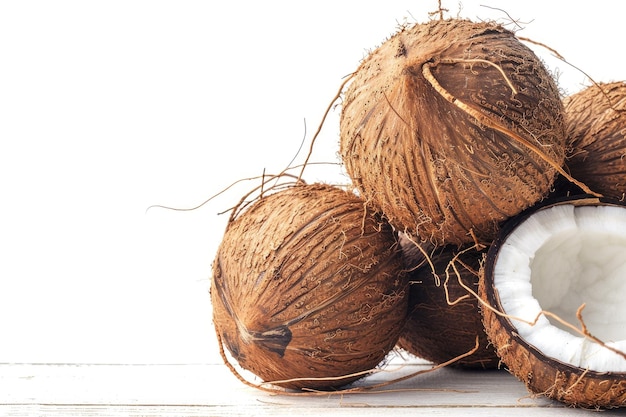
x: 451, y: 127
x: 444, y: 318
x: 596, y: 132
x: 308, y: 283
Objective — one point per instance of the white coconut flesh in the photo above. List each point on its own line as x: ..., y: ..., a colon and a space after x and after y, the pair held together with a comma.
x: 557, y: 260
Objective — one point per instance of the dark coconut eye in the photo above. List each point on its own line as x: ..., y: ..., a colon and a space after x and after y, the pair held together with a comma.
x: 554, y: 286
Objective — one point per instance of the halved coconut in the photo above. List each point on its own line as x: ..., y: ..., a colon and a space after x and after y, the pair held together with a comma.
x: 554, y: 285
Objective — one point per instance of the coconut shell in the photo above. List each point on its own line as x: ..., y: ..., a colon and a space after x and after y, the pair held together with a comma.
x: 544, y: 375
x: 596, y: 132
x: 444, y: 319
x: 308, y: 282
x: 451, y: 127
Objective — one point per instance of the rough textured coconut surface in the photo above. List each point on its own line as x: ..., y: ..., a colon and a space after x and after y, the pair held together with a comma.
x: 308, y: 283
x: 596, y: 132
x: 444, y: 319
x: 550, y: 359
x: 452, y: 126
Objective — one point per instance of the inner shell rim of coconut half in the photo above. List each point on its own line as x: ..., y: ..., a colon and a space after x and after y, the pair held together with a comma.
x: 513, y: 277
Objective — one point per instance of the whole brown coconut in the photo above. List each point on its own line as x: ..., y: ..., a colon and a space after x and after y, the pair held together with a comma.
x: 451, y: 127
x: 308, y: 283
x: 553, y: 286
x: 596, y: 131
x: 444, y: 318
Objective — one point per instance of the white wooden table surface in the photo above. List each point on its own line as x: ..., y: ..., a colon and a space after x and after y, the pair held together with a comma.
x: 211, y: 390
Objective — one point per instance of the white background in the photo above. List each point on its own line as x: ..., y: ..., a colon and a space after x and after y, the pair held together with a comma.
x: 108, y: 107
